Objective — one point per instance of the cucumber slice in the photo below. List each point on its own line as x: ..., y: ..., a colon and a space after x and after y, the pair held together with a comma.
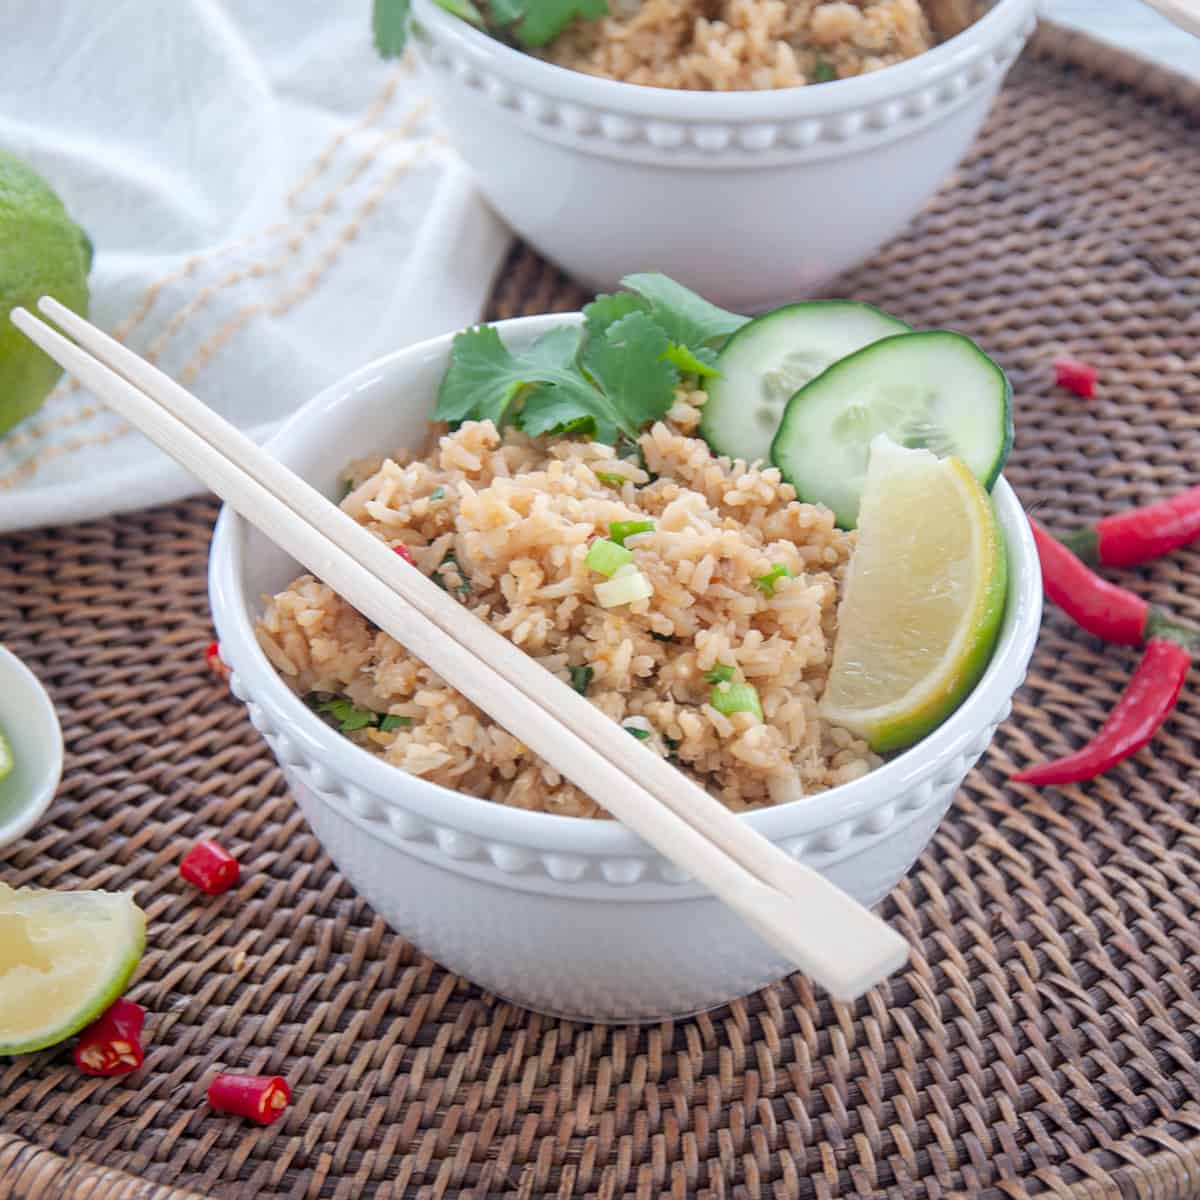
x: 767, y: 360
x: 936, y: 391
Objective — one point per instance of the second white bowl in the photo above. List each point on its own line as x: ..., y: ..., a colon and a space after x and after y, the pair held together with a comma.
x: 750, y: 198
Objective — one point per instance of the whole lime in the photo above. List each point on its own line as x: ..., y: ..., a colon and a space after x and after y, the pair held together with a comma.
x: 42, y: 252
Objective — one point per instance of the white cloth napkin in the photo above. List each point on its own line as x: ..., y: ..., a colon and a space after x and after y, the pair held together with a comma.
x: 271, y: 204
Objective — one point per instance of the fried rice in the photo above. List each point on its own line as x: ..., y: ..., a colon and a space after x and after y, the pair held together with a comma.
x: 504, y: 521
x: 741, y: 45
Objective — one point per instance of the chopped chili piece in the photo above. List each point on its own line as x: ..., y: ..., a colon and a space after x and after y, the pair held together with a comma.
x: 1100, y: 607
x: 1075, y: 376
x: 260, y: 1098
x: 405, y: 553
x: 112, y: 1044
x: 212, y: 656
x: 1145, y: 705
x: 210, y: 867
x: 1139, y: 534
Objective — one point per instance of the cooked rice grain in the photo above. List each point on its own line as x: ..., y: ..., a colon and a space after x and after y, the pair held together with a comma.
x: 508, y: 532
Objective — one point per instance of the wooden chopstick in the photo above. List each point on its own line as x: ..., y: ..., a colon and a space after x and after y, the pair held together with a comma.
x: 836, y: 941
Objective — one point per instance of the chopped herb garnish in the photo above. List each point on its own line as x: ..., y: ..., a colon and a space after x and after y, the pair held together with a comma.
x: 607, y: 557
x: 823, y: 72
x: 721, y: 673
x: 347, y: 488
x: 618, y: 531
x: 350, y: 717
x: 462, y: 587
x: 438, y: 493
x: 661, y: 637
x: 672, y: 744
x: 581, y: 678
x: 612, y: 479
x: 766, y: 583
x: 642, y: 735
x: 730, y: 698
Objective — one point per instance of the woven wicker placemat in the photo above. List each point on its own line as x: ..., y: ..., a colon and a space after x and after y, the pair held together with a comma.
x: 1044, y: 1041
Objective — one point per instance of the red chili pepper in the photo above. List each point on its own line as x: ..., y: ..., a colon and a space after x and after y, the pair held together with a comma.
x: 1077, y: 376
x: 260, y: 1098
x: 1146, y: 704
x: 1100, y: 607
x: 210, y: 867
x: 405, y: 553
x: 1139, y: 534
x: 112, y: 1044
x: 212, y: 656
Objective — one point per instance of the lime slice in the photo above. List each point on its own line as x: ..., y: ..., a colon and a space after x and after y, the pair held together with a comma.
x: 64, y: 958
x: 6, y: 758
x: 923, y: 599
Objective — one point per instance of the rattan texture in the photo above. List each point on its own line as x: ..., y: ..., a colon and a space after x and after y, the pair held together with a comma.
x: 1045, y: 1039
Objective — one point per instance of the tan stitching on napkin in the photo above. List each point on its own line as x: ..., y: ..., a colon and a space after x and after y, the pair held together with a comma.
x: 128, y: 324
x: 245, y: 315
x: 374, y: 112
x: 35, y: 462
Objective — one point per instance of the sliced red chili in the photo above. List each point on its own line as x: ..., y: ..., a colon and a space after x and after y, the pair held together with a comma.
x: 1100, y: 607
x: 405, y: 553
x: 112, y: 1044
x: 260, y: 1098
x: 1145, y: 705
x: 212, y: 656
x: 1140, y: 534
x: 210, y: 867
x: 1078, y: 377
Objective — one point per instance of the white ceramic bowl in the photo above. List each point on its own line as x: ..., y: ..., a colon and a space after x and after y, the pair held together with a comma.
x: 565, y: 915
x: 30, y: 724
x: 750, y: 198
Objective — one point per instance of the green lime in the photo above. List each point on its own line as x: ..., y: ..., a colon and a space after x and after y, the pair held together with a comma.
x: 42, y: 252
x: 64, y: 958
x: 6, y: 758
x: 923, y: 599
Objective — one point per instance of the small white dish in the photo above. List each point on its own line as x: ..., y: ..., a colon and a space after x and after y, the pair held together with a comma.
x: 30, y: 725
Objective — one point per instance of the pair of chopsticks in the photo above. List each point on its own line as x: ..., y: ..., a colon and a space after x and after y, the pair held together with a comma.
x: 822, y: 930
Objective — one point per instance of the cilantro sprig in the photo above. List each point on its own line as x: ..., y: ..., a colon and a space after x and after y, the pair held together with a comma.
x: 607, y: 380
x: 350, y: 717
x: 529, y: 23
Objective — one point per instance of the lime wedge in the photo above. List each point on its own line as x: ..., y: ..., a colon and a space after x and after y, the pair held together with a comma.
x: 64, y: 958
x: 6, y: 758
x: 923, y: 599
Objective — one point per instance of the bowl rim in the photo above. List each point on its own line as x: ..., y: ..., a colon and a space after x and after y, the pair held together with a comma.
x: 49, y: 772
x: 1003, y: 20
x: 840, y: 806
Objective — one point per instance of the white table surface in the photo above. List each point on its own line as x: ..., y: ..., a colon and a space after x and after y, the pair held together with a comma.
x: 1133, y: 26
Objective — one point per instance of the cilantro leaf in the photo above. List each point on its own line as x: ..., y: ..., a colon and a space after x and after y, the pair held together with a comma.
x: 507, y: 12
x: 693, y: 362
x: 634, y: 384
x: 544, y: 20
x: 485, y: 377
x: 823, y: 72
x: 687, y: 319
x: 607, y: 309
x: 389, y: 22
